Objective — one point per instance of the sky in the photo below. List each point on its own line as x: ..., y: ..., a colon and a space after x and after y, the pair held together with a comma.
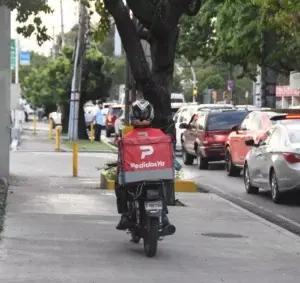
x: 52, y: 22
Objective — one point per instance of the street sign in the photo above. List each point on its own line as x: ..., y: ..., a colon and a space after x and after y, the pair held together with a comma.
x: 24, y: 58
x: 12, y: 54
x: 230, y: 84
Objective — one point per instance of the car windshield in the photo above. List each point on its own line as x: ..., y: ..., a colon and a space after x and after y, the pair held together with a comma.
x: 224, y: 120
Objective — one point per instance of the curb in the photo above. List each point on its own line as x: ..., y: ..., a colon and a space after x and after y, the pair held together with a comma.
x: 181, y: 186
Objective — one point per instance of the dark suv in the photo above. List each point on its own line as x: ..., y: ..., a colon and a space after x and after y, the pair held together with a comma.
x: 206, y: 134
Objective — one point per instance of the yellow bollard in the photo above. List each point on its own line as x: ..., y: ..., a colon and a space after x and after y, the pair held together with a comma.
x: 50, y: 129
x: 34, y: 124
x: 75, y: 159
x: 57, y: 137
x: 92, y: 133
x: 126, y: 130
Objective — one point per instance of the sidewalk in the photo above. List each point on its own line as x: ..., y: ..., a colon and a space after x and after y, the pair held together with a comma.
x: 60, y: 229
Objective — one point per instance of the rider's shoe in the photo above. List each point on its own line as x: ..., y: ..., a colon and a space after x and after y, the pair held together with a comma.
x: 124, y: 222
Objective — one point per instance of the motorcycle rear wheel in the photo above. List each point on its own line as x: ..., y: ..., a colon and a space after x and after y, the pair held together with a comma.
x: 150, y: 238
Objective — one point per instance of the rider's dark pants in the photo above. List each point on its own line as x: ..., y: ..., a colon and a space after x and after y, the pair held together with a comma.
x: 122, y: 200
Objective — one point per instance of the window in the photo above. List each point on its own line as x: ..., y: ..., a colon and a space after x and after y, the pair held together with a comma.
x: 182, y: 115
x: 224, y: 120
x: 276, y: 138
x: 193, y: 121
x: 255, y: 123
x: 201, y: 122
x: 245, y: 123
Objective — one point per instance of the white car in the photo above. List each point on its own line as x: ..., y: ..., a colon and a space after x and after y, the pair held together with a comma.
x: 56, y: 118
x: 185, y: 113
x: 119, y: 125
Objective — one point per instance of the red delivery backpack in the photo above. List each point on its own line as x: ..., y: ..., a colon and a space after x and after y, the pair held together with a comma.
x: 145, y: 155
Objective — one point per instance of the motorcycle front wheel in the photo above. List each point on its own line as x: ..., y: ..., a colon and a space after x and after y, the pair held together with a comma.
x: 151, y: 236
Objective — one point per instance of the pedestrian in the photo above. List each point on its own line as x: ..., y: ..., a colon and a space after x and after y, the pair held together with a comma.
x: 98, y: 122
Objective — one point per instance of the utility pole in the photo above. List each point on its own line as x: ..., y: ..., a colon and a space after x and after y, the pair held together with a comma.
x: 76, y: 85
x: 62, y: 24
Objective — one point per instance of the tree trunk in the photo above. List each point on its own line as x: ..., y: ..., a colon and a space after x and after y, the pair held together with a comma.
x: 82, y: 131
x: 161, y: 20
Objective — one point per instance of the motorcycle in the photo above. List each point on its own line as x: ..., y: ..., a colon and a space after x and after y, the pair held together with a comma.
x: 145, y: 206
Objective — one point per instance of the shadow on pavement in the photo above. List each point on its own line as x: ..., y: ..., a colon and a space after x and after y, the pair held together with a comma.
x: 217, y: 166
x: 288, y: 199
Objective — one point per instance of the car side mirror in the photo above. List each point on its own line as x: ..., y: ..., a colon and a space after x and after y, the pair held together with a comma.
x: 235, y: 128
x: 183, y: 126
x: 250, y: 142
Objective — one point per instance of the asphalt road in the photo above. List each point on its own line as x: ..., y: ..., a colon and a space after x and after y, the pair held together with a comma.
x: 286, y: 215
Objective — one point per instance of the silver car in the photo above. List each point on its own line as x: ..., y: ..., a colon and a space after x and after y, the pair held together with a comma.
x: 274, y: 164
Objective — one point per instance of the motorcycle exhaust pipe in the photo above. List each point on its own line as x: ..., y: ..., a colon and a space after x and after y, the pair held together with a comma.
x: 169, y: 230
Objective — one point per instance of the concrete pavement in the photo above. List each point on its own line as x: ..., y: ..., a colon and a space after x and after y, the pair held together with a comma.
x: 61, y: 229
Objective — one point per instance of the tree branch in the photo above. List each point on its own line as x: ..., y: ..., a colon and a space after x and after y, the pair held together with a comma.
x: 130, y: 40
x: 158, y: 18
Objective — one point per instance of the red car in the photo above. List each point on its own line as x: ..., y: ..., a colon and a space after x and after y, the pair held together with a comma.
x: 206, y: 134
x: 113, y: 113
x: 255, y: 126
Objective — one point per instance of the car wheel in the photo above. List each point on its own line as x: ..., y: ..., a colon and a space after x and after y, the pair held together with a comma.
x: 275, y: 193
x: 231, y: 169
x: 250, y: 189
x: 187, y: 158
x: 202, y: 162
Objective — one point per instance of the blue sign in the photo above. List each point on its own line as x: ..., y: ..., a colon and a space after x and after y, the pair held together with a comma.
x: 24, y: 58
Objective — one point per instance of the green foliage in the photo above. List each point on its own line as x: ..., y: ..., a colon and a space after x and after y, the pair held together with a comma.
x: 27, y: 9
x: 51, y: 82
x: 214, y: 76
x: 232, y: 32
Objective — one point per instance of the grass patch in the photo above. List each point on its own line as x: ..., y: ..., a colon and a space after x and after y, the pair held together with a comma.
x: 89, y: 146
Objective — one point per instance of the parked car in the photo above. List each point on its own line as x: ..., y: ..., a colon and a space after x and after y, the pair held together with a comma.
x: 274, y: 164
x: 113, y: 113
x: 184, y: 114
x: 119, y: 124
x: 56, y: 118
x: 254, y: 126
x: 206, y: 134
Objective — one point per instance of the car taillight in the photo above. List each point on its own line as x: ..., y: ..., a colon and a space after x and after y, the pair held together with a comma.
x: 292, y: 158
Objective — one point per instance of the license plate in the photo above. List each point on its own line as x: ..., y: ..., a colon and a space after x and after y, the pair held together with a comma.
x: 153, y: 205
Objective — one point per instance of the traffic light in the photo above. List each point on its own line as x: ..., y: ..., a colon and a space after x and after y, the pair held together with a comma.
x: 195, y: 91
